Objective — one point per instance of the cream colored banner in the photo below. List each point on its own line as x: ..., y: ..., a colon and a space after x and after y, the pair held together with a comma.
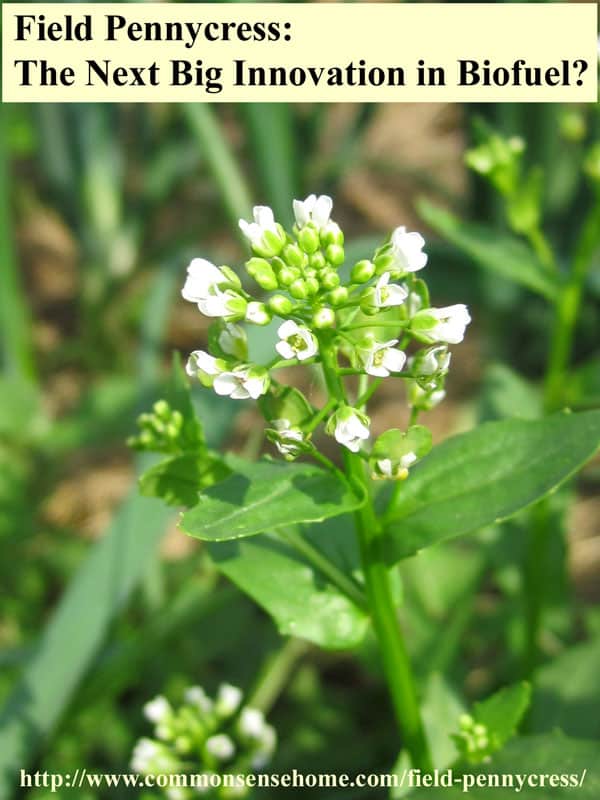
x: 241, y: 52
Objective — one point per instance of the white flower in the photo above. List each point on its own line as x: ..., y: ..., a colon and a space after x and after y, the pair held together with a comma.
x: 434, y: 361
x: 242, y: 382
x: 396, y: 469
x: 313, y: 209
x: 349, y: 427
x: 196, y: 696
x: 264, y: 234
x: 264, y: 751
x: 424, y: 399
x: 200, y: 361
x: 150, y: 757
x: 232, y: 340
x: 257, y: 313
x: 220, y: 746
x: 202, y: 279
x: 407, y: 250
x: 157, y: 710
x: 442, y: 324
x: 289, y: 439
x: 219, y: 303
x: 296, y: 341
x: 228, y: 699
x: 381, y: 358
x: 252, y: 723
x: 387, y: 294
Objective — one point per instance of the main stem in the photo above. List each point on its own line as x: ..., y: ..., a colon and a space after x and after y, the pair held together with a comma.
x: 394, y: 655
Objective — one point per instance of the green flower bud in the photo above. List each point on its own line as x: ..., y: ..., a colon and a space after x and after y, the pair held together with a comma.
x: 362, y: 271
x: 308, y: 239
x: 573, y: 125
x: 263, y: 273
x: 299, y: 290
x: 331, y: 234
x: 227, y: 339
x: 334, y: 253
x: 312, y: 286
x: 330, y: 280
x: 162, y: 409
x: 294, y: 256
x: 280, y: 304
x: 317, y: 260
x: 309, y: 272
x: 324, y: 317
x: 338, y: 296
x: 287, y: 276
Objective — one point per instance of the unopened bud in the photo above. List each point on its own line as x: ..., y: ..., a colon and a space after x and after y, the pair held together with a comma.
x: 294, y: 256
x: 312, y: 286
x: 317, y: 260
x: 308, y: 239
x: 362, y: 271
x: 338, y: 296
x: 324, y: 317
x: 299, y: 290
x: 330, y: 280
x: 280, y: 304
x: 335, y: 254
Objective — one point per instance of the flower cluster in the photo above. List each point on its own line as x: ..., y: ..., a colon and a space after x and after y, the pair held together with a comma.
x: 373, y: 321
x: 203, y: 737
x: 474, y: 741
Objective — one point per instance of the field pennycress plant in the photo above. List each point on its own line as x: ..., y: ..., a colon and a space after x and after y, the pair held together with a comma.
x: 313, y: 539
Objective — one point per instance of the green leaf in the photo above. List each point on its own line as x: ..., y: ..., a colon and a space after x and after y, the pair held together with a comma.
x: 301, y: 598
x: 178, y: 480
x: 548, y: 755
x: 501, y: 254
x: 566, y: 693
x: 502, y: 712
x: 266, y: 495
x: 485, y: 476
x: 507, y: 394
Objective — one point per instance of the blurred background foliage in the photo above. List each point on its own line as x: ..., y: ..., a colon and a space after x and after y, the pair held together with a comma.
x: 104, y: 603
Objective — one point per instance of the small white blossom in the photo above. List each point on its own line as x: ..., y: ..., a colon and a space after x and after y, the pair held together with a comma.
x: 203, y: 278
x: 434, y: 361
x: 233, y: 340
x: 263, y: 753
x: 389, y: 294
x: 407, y: 250
x: 257, y: 313
x: 296, y: 341
x: 242, y: 382
x: 381, y: 358
x: 252, y: 723
x: 220, y: 303
x: 158, y: 709
x: 201, y: 362
x: 228, y: 699
x: 446, y: 324
x: 289, y: 439
x: 424, y: 399
x: 313, y: 209
x: 264, y: 234
x: 150, y: 757
x: 349, y: 427
x: 196, y: 696
x: 220, y: 746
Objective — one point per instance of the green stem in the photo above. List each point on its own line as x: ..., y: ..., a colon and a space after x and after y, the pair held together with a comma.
x: 542, y: 249
x: 366, y: 395
x: 567, y: 310
x: 276, y: 674
x: 394, y: 655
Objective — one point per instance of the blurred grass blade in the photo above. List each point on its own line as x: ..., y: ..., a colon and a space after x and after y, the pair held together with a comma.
x: 227, y: 175
x: 271, y: 130
x: 76, y: 631
x: 15, y: 324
